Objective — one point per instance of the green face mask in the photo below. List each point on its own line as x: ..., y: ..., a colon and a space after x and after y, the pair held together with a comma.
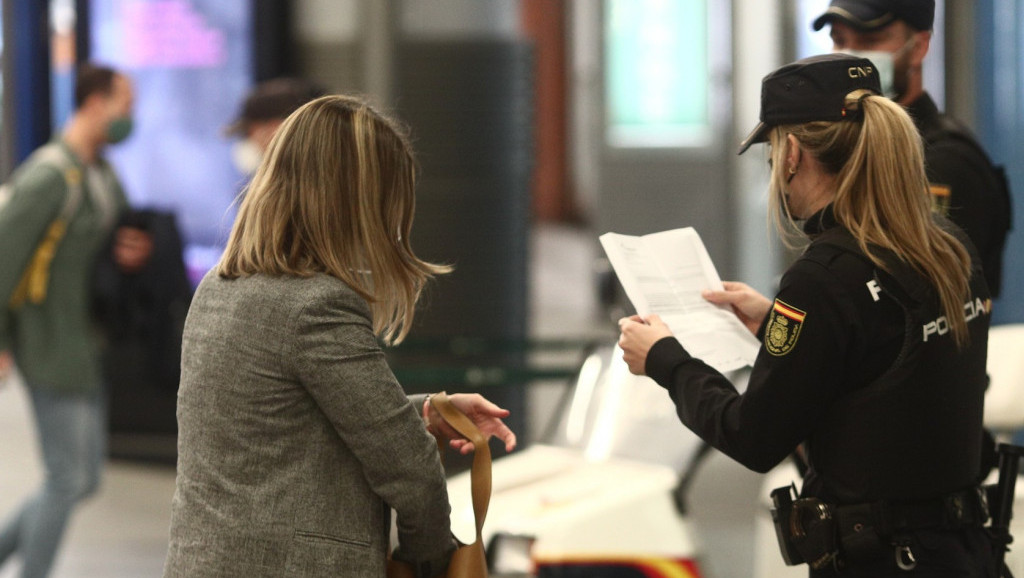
x: 119, y: 129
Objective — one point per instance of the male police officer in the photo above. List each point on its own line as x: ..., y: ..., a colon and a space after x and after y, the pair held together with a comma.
x: 895, y: 36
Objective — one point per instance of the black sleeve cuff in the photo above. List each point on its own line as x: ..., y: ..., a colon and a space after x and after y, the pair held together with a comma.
x: 428, y: 568
x: 663, y: 358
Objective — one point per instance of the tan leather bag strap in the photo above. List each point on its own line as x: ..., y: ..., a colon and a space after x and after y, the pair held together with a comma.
x: 480, y: 476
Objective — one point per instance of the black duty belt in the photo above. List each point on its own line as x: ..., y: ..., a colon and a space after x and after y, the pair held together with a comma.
x: 950, y: 512
x: 823, y: 535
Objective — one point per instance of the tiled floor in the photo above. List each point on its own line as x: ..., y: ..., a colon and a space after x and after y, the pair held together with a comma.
x: 122, y: 531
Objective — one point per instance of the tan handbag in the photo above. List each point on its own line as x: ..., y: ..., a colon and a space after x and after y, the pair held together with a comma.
x: 469, y: 560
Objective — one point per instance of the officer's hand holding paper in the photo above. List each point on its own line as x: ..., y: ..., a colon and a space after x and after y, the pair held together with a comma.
x: 665, y: 274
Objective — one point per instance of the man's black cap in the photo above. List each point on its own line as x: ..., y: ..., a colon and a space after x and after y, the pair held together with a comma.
x: 276, y: 98
x: 812, y: 89
x: 869, y: 15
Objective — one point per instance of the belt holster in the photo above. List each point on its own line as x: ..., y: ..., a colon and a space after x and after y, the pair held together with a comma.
x: 782, y: 509
x: 805, y: 528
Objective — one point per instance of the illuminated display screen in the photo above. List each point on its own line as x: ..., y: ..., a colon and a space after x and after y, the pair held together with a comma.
x: 190, y: 62
x: 656, y: 73
x: 171, y: 34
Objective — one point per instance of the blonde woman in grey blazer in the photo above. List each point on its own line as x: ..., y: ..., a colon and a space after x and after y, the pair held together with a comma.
x: 295, y: 439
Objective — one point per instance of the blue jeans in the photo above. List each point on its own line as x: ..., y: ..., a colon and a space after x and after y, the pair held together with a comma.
x: 73, y: 437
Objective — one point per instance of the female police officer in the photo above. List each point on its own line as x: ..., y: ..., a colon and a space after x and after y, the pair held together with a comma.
x: 873, y: 351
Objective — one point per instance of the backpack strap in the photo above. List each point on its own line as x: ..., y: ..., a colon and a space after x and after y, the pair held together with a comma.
x: 54, y: 155
x: 34, y: 281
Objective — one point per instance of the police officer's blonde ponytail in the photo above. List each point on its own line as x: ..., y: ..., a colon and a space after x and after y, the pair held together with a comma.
x: 882, y: 195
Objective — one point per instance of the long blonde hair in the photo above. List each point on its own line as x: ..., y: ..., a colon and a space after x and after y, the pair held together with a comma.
x: 335, y: 194
x: 881, y: 194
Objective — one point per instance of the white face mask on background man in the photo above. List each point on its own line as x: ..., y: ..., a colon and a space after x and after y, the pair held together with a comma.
x: 246, y: 156
x: 885, y: 64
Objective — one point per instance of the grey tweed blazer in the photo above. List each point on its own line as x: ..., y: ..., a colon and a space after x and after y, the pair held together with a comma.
x: 294, y: 438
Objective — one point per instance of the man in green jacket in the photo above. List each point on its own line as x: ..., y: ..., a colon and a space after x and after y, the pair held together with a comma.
x: 62, y: 206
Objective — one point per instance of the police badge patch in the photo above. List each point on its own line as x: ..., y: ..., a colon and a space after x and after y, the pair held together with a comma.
x: 783, y: 329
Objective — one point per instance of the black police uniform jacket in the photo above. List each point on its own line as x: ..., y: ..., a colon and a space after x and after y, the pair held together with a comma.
x: 967, y: 187
x: 860, y: 364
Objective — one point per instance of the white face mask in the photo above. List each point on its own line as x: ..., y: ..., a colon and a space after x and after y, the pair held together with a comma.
x: 885, y: 64
x: 246, y: 156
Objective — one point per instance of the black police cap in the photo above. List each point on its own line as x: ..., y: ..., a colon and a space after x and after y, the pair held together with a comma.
x: 874, y: 14
x: 812, y: 89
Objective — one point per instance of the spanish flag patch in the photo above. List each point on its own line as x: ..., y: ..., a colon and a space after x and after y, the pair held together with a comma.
x: 940, y: 198
x: 783, y: 329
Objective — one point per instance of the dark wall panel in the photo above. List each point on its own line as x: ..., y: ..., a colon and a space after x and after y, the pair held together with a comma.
x: 468, y: 104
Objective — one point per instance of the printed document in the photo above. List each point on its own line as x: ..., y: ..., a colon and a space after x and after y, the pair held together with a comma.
x: 664, y: 274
